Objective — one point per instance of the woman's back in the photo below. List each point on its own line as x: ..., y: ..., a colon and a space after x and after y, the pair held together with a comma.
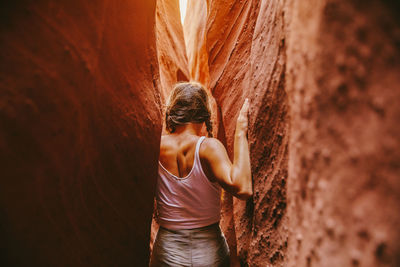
x: 177, y: 153
x: 191, y: 172
x: 190, y: 200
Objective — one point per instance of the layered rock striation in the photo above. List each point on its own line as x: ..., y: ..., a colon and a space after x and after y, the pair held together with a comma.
x: 80, y: 125
x: 321, y: 77
x: 82, y: 88
x: 247, y: 59
x: 343, y: 60
x: 171, y: 48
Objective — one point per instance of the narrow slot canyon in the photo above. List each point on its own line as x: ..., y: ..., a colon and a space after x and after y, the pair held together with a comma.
x: 84, y: 86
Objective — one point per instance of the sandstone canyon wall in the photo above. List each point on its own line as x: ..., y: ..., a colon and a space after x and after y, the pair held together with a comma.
x: 322, y: 77
x: 80, y: 125
x: 171, y: 49
x: 195, y: 41
x: 343, y: 65
x: 247, y: 59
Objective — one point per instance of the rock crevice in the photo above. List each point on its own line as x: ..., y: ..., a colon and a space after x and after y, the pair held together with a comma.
x: 310, y: 72
x: 82, y: 91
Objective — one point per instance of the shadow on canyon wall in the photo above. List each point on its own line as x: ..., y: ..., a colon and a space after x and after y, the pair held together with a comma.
x: 82, y: 89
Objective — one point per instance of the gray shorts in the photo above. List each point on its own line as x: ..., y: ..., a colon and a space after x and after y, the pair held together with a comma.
x: 205, y: 246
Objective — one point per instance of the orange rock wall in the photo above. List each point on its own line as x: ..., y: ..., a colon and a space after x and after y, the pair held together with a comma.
x: 247, y: 59
x: 195, y: 40
x: 343, y: 65
x: 322, y: 79
x: 81, y: 94
x: 80, y: 125
x: 229, y: 33
x: 171, y: 49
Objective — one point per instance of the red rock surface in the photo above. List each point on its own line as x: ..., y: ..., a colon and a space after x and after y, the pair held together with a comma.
x: 80, y: 125
x: 343, y: 65
x: 322, y: 79
x: 229, y: 34
x: 80, y: 109
x: 171, y: 49
x: 247, y: 60
x: 195, y: 40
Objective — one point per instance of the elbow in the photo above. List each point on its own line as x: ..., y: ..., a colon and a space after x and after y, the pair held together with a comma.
x: 245, y: 195
x: 241, y: 188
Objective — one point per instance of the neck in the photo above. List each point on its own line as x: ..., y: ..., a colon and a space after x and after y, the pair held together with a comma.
x: 189, y: 128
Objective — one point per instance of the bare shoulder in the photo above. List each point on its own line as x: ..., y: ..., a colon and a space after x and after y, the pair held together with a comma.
x: 211, y: 143
x: 163, y: 138
x: 211, y: 147
x: 166, y: 144
x: 166, y: 140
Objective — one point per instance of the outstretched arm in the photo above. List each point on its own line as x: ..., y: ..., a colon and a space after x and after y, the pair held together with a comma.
x: 234, y: 178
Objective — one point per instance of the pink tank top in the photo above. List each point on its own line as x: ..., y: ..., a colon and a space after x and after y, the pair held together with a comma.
x: 188, y: 202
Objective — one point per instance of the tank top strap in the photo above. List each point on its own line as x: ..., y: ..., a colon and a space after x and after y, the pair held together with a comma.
x: 196, y: 154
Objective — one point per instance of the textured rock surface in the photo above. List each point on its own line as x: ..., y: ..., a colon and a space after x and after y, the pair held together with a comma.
x: 269, y: 136
x: 247, y: 59
x: 326, y: 193
x: 195, y: 40
x: 343, y: 65
x: 171, y: 49
x: 80, y: 121
x: 79, y: 139
x: 229, y: 34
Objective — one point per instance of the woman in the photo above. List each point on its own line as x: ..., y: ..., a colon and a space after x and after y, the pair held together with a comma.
x: 192, y: 170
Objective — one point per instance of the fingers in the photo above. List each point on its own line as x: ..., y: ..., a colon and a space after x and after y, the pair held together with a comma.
x: 245, y: 107
x: 242, y: 120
